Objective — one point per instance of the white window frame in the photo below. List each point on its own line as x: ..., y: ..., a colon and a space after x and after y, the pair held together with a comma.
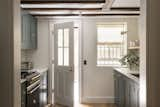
x: 124, y: 42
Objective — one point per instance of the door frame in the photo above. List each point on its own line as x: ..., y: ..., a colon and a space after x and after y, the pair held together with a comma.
x: 52, y: 22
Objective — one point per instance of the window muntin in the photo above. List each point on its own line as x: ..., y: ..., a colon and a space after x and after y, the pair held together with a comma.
x: 111, y: 43
x: 63, y: 47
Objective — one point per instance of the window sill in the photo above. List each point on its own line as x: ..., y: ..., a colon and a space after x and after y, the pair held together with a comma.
x: 111, y: 66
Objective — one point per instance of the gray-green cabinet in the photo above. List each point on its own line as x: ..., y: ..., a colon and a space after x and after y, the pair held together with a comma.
x: 132, y: 93
x: 126, y: 91
x: 29, y: 32
x: 119, y: 90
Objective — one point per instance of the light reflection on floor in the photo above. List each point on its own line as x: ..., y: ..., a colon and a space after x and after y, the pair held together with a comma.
x: 76, y: 92
x: 43, y: 98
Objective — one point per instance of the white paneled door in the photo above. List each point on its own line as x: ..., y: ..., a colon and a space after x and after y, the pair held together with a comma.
x: 64, y: 63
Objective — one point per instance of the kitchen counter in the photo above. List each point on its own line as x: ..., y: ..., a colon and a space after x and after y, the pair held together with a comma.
x: 23, y: 80
x: 128, y: 73
x: 40, y: 70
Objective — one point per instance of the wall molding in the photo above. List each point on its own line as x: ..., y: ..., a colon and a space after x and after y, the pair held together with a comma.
x: 98, y: 99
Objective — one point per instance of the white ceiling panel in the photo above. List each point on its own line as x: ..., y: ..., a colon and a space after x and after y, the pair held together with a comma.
x: 83, y: 12
x: 61, y: 5
x: 126, y: 3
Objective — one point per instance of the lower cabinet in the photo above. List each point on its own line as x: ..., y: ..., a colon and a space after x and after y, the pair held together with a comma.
x: 126, y: 91
x: 23, y: 94
x: 119, y: 90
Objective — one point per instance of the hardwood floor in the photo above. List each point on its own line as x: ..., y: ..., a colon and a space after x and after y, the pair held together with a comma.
x: 76, y: 103
x: 89, y: 105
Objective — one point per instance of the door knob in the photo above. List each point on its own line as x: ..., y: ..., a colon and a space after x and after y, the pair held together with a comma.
x: 70, y: 69
x: 34, y: 101
x: 85, y: 62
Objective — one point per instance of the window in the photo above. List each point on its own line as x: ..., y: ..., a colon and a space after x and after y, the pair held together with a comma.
x: 111, y: 43
x: 63, y: 47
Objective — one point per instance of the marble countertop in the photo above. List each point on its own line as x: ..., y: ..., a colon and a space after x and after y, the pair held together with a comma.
x: 128, y: 73
x: 23, y: 80
x: 40, y: 70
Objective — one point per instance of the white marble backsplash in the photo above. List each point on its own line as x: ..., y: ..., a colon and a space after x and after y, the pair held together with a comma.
x: 27, y: 55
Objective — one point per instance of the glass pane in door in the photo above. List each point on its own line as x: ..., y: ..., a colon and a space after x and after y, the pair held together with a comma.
x: 60, y: 38
x: 66, y: 56
x: 66, y: 37
x: 60, y: 56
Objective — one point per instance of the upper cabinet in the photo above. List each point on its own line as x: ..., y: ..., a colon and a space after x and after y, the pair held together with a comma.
x: 29, y: 32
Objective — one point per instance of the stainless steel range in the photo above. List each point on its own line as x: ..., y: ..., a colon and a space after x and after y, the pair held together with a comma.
x: 32, y: 88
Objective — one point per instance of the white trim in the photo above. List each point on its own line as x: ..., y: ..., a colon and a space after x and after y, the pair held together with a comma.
x: 50, y: 99
x: 98, y: 99
x: 83, y: 17
x: 81, y: 61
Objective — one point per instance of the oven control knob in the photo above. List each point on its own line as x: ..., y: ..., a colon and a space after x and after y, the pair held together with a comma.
x: 34, y: 101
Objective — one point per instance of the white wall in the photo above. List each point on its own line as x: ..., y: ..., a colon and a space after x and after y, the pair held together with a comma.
x: 41, y: 55
x: 98, y: 82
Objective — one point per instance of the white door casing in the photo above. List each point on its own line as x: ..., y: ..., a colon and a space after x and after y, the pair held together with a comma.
x: 64, y: 63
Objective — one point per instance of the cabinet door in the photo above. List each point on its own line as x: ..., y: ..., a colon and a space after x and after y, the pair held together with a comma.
x: 116, y: 88
x: 26, y: 32
x: 135, y: 97
x: 33, y: 33
x: 127, y: 93
x: 132, y: 94
x: 119, y: 90
x: 29, y: 32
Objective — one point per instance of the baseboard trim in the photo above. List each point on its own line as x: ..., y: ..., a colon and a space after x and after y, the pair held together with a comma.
x: 97, y: 99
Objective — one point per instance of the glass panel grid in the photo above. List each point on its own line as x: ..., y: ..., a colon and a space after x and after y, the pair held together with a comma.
x: 63, y: 47
x: 110, y: 45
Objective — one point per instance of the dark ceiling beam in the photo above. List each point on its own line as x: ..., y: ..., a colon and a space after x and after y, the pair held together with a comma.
x: 125, y: 8
x: 117, y: 14
x: 60, y: 1
x: 88, y: 9
x: 123, y: 14
x: 55, y: 9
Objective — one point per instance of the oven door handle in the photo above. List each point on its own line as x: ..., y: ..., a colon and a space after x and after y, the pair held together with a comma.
x: 33, y: 85
x: 30, y: 92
